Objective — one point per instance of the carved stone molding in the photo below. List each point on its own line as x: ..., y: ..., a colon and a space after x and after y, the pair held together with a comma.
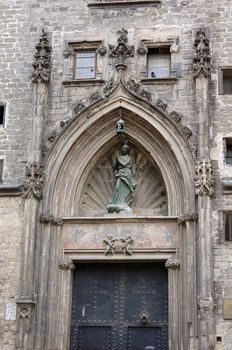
x: 102, y: 50
x: 187, y: 217
x: 202, y: 58
x: 25, y: 308
x: 175, y: 116
x: 42, y: 64
x: 44, y: 219
x: 122, y: 50
x: 79, y: 107
x: 34, y: 174
x: 142, y: 49
x: 161, y: 105
x: 109, y: 87
x: 64, y: 122
x: 94, y: 97
x: 130, y: 86
x: 172, y: 263
x: 68, y: 52
x: 52, y: 136
x: 118, y: 245
x: 67, y: 265
x: 204, y: 182
x: 133, y: 85
x: 145, y: 94
x: 206, y: 307
x: 187, y: 132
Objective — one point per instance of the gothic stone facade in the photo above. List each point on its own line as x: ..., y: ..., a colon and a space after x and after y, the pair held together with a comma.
x: 57, y: 141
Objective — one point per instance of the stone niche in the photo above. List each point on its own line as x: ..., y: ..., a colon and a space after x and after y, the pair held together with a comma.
x: 149, y: 197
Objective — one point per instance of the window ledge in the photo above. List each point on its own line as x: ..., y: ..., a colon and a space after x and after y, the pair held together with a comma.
x: 136, y: 3
x: 83, y: 82
x: 151, y: 81
x: 10, y: 190
x: 227, y: 185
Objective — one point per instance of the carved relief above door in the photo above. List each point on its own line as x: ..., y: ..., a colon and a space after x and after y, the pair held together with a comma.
x: 150, y: 196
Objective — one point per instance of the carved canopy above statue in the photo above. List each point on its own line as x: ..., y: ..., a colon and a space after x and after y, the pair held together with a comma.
x: 149, y: 198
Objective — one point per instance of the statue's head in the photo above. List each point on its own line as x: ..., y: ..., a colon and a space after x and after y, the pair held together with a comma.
x: 125, y: 149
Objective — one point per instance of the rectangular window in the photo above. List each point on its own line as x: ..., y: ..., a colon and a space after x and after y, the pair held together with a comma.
x: 85, y: 65
x: 159, y: 62
x: 1, y: 170
x: 2, y: 115
x: 228, y: 150
x: 228, y: 226
x: 227, y: 81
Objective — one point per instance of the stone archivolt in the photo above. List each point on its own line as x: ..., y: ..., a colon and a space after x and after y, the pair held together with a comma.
x: 132, y: 88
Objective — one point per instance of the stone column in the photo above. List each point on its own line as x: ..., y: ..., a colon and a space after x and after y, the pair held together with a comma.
x: 173, y: 265
x: 32, y: 192
x: 204, y: 186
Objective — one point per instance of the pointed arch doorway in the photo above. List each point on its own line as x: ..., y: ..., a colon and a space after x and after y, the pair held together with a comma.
x: 122, y: 306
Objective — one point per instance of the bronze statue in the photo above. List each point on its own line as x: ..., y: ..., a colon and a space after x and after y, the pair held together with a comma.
x: 125, y: 184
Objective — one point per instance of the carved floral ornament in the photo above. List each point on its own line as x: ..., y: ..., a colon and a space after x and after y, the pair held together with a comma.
x: 202, y: 58
x: 45, y: 219
x: 118, y: 245
x: 25, y: 309
x: 42, y: 64
x: 132, y: 87
x: 67, y: 265
x: 186, y: 218
x: 207, y: 307
x: 122, y: 50
x: 172, y: 263
x: 204, y: 182
x: 34, y: 179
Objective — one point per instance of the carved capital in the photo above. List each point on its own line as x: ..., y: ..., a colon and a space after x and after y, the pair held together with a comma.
x: 122, y: 50
x: 204, y: 182
x: 172, y: 263
x: 118, y: 245
x: 44, y: 219
x: 34, y: 180
x: 202, y: 58
x: 42, y: 64
x: 187, y: 217
x: 206, y: 307
x: 67, y: 265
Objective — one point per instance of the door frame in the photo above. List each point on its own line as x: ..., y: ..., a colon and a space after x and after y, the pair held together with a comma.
x: 172, y: 263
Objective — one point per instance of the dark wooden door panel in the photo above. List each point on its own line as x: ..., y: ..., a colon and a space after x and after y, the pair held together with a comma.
x: 119, y: 307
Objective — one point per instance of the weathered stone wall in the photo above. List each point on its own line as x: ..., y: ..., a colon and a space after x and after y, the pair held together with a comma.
x: 21, y: 24
x: 11, y: 219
